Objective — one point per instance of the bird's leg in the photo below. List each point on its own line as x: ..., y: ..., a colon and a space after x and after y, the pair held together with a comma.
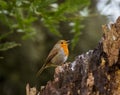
x: 52, y: 65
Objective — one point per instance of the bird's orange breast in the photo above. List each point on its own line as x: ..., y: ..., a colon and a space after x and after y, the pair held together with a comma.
x: 65, y: 48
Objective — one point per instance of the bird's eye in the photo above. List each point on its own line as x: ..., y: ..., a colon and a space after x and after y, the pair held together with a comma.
x: 61, y: 42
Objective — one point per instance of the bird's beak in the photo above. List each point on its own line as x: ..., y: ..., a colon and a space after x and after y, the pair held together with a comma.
x: 68, y: 41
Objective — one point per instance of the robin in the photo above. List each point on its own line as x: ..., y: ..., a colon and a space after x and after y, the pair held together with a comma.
x: 57, y: 55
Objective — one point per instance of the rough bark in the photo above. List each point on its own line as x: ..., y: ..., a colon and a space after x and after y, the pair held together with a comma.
x: 96, y: 72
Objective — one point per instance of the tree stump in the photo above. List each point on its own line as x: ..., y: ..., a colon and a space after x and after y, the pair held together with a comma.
x: 96, y: 72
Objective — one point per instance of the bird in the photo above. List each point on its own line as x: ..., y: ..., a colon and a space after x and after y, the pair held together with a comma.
x: 57, y: 56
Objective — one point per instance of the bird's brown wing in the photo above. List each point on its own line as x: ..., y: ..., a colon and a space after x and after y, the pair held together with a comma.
x: 51, y: 55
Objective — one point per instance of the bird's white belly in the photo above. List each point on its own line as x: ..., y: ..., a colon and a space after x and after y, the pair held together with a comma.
x: 60, y: 58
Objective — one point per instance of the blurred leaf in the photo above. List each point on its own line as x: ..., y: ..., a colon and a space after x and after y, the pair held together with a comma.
x: 54, y: 30
x: 5, y: 20
x: 3, y: 4
x: 29, y: 20
x: 70, y: 6
x: 43, y: 4
x: 18, y: 3
x: 29, y: 33
x: 8, y: 45
x: 52, y: 25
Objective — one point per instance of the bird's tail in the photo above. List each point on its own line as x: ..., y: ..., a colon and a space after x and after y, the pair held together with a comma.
x: 41, y: 70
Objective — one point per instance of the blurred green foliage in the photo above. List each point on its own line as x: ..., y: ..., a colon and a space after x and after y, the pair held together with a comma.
x: 20, y: 15
x: 8, y: 45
